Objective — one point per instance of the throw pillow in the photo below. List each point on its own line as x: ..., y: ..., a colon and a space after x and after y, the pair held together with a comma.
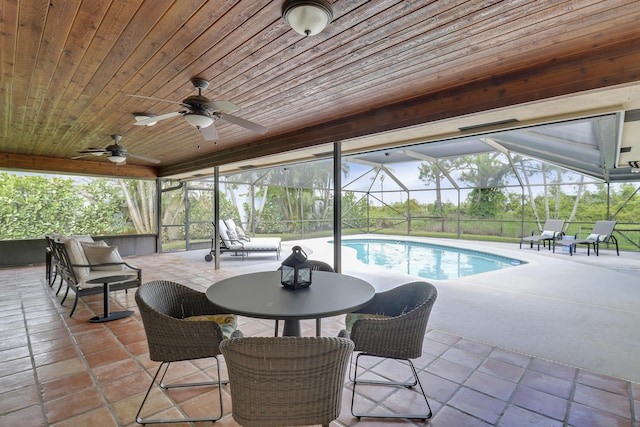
x: 240, y: 233
x: 103, y: 255
x: 228, y: 322
x: 100, y: 243
x: 352, y: 318
x: 597, y: 237
x: 232, y: 234
x: 548, y: 233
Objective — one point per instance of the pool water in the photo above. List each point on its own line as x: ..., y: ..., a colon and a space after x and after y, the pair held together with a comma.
x: 427, y: 260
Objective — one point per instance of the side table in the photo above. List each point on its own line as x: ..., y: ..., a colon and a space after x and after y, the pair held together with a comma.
x: 108, y: 315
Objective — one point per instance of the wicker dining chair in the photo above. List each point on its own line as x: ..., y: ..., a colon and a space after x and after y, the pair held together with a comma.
x: 315, y: 266
x: 392, y: 326
x: 286, y: 381
x: 180, y: 324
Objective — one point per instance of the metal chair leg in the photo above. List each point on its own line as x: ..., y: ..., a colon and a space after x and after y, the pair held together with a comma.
x: 416, y: 381
x: 163, y: 386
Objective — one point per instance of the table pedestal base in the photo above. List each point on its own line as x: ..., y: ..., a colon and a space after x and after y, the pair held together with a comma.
x: 291, y: 328
x: 112, y: 316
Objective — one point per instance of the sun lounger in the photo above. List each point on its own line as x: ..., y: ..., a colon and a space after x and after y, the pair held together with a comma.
x: 230, y: 242
x: 602, y: 233
x: 551, y: 231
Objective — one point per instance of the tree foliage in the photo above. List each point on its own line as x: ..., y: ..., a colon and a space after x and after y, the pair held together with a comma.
x: 33, y: 205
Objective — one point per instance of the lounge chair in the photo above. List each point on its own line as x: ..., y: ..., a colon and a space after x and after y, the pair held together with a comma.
x: 551, y: 231
x: 229, y: 242
x: 602, y: 233
x: 242, y: 236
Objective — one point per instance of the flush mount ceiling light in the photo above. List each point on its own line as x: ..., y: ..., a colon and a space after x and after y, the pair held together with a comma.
x: 198, y: 120
x: 117, y: 159
x: 307, y: 17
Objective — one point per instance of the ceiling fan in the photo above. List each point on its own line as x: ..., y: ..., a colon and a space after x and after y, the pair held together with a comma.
x: 115, y: 153
x: 202, y: 113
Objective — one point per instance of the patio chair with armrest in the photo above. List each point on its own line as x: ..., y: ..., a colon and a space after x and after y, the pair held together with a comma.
x: 551, y: 231
x: 391, y: 326
x: 181, y: 324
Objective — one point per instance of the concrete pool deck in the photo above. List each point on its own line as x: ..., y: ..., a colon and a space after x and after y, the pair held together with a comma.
x: 583, y: 311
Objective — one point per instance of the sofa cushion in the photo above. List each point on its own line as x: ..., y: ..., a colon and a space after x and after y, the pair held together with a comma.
x: 103, y: 255
x: 76, y: 256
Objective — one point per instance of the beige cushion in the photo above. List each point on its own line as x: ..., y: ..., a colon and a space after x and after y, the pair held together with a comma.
x: 85, y: 244
x: 103, y: 255
x: 76, y: 256
x: 352, y: 318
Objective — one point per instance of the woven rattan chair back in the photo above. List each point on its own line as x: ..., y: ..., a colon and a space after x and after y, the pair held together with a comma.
x: 286, y: 381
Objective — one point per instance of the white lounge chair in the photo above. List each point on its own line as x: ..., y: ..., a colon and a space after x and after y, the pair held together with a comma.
x: 230, y: 242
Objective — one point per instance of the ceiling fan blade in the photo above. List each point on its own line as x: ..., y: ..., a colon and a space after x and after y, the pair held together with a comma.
x: 146, y: 159
x: 154, y: 99
x: 92, y: 150
x: 86, y: 155
x: 243, y: 122
x: 210, y: 133
x: 154, y: 119
x: 220, y: 106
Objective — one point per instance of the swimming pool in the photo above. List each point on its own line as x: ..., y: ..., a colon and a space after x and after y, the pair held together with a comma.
x: 425, y: 259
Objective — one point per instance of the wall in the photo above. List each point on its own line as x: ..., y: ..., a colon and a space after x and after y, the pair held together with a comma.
x: 27, y: 252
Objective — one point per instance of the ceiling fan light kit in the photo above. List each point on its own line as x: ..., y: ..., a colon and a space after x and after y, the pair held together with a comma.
x: 117, y: 159
x: 198, y: 120
x: 307, y: 17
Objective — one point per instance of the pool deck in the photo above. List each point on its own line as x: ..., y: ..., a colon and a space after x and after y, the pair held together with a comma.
x: 580, y: 310
x: 553, y: 342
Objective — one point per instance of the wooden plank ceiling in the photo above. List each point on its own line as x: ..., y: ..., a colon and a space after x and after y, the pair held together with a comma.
x: 67, y: 67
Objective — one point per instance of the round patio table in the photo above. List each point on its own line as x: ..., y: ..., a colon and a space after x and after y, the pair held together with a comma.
x: 262, y: 295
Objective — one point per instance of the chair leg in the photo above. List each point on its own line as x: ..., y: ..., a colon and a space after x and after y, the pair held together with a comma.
x: 163, y: 386
x: 416, y: 381
x: 75, y: 302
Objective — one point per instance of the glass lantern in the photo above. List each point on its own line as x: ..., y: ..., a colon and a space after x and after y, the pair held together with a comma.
x: 295, y: 272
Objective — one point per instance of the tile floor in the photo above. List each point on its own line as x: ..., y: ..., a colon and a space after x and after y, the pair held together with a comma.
x: 61, y: 371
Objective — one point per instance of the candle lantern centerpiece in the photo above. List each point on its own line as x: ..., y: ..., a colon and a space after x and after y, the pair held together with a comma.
x: 295, y: 272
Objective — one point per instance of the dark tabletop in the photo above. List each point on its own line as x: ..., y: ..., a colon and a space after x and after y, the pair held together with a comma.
x: 111, y: 279
x: 262, y: 295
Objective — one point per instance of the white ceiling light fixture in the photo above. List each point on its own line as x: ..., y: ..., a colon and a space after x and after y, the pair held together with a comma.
x: 307, y: 17
x: 198, y: 120
x: 117, y: 159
